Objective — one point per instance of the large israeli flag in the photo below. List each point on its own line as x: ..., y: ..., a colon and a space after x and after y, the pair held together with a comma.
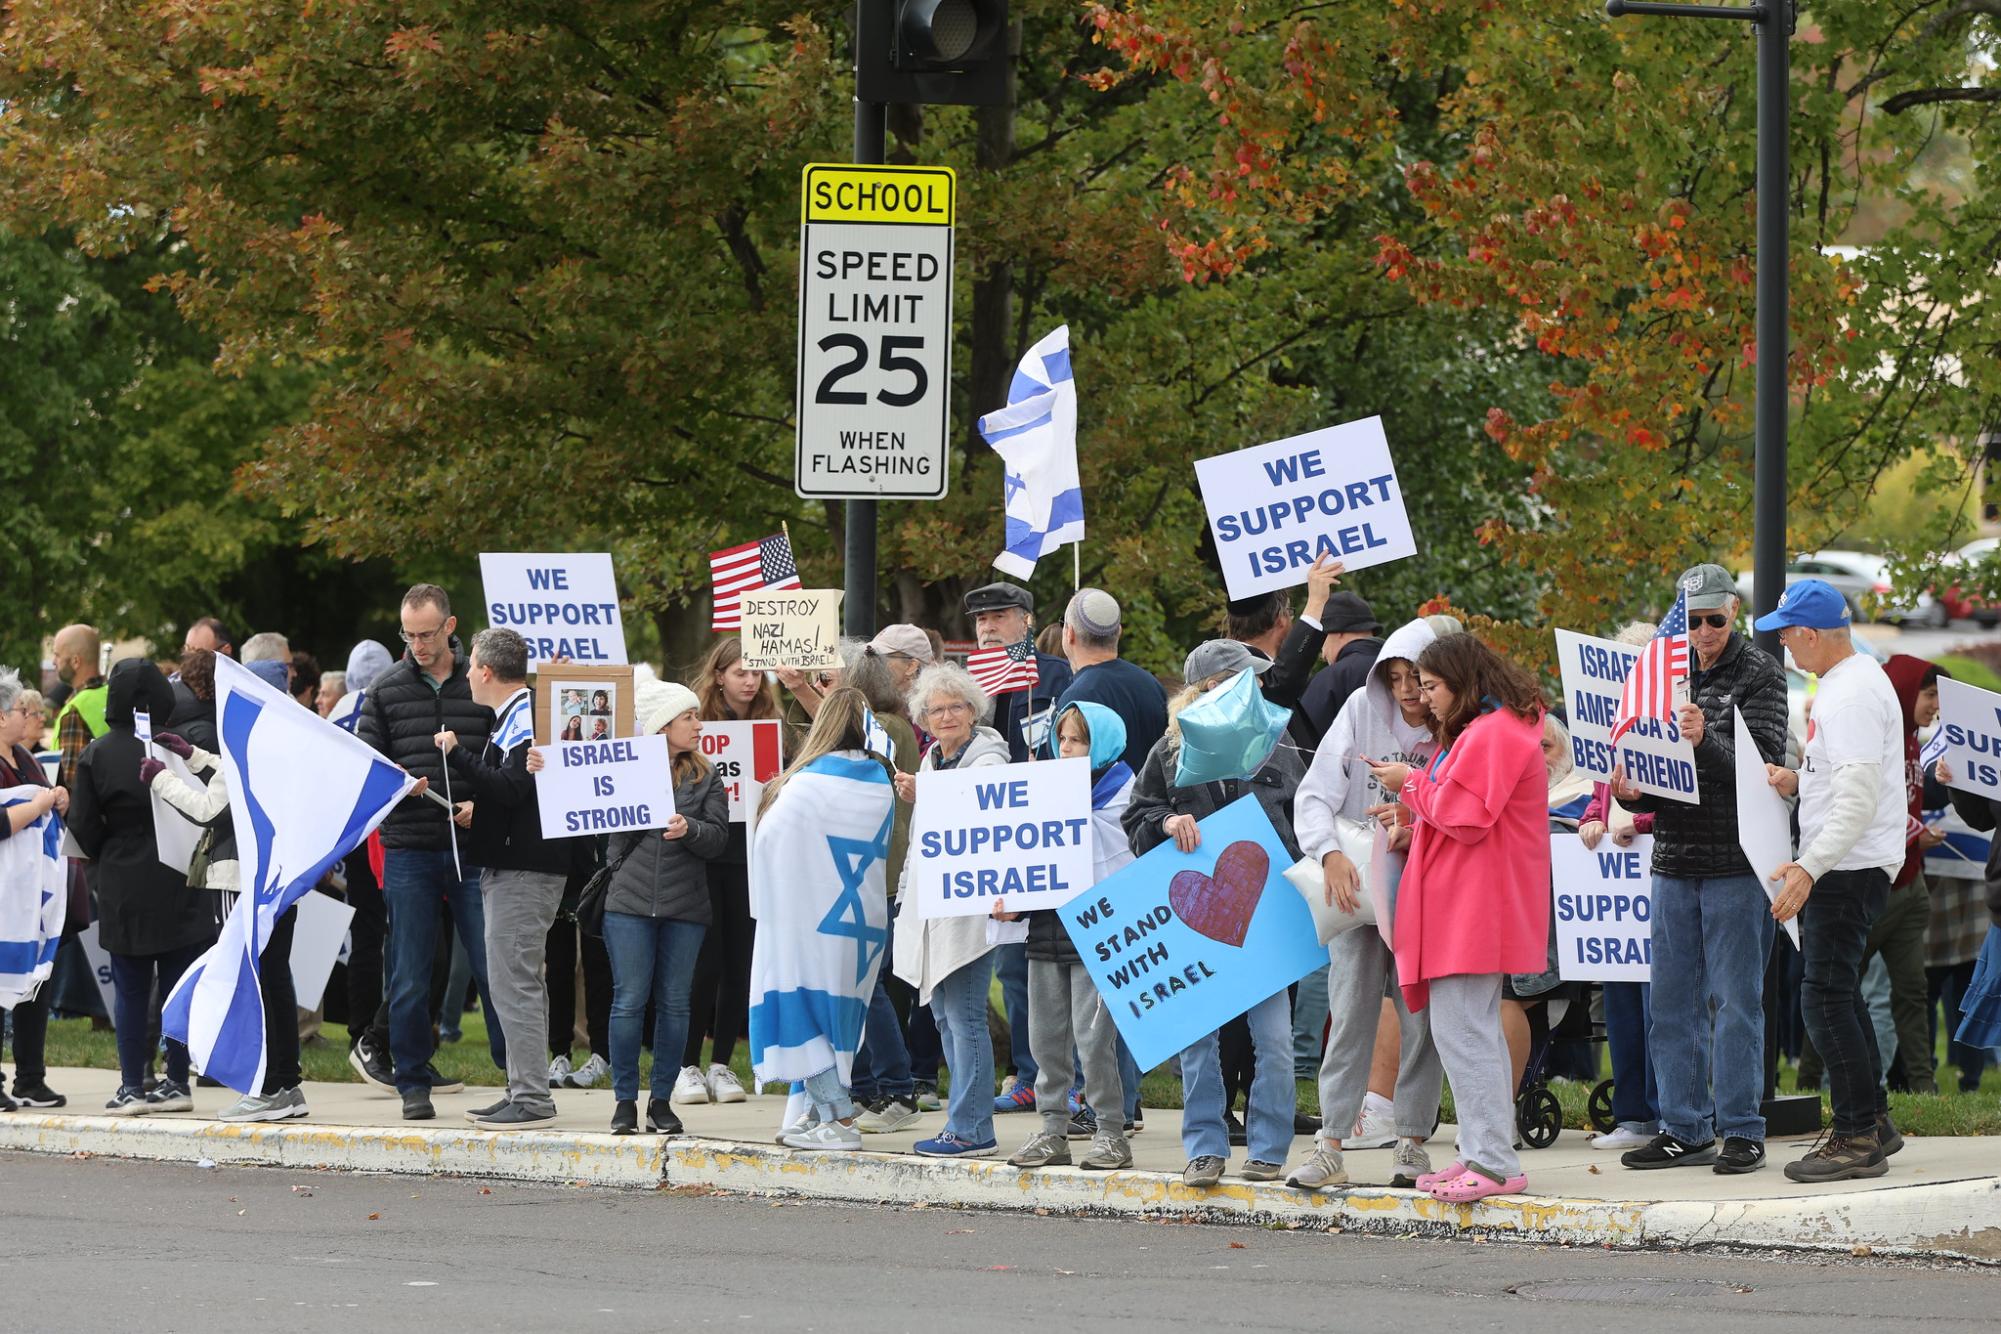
x: 1036, y: 437
x: 302, y: 795
x: 34, y: 894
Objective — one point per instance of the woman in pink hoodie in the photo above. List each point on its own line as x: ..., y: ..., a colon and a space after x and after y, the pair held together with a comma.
x: 1473, y: 905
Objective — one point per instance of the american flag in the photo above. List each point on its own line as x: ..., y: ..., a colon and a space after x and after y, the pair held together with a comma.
x: 750, y: 568
x: 1000, y: 670
x: 1662, y: 664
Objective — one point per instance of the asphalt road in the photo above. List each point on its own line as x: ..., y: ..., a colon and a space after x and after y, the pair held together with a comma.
x: 103, y: 1244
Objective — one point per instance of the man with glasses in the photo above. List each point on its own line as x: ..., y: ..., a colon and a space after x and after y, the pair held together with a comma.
x: 1852, y: 818
x: 425, y: 693
x: 1712, y: 924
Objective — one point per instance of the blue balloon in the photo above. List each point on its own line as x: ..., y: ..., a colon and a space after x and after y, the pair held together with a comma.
x: 1228, y: 733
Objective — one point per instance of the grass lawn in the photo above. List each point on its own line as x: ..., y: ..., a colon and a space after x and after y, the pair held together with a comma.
x: 72, y: 1043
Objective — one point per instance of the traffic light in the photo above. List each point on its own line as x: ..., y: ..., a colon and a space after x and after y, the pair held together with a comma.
x: 932, y: 52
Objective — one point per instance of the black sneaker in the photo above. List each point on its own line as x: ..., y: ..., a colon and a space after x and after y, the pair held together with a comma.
x: 1888, y: 1137
x: 7, y: 1104
x: 1302, y: 1124
x: 371, y: 1065
x: 476, y: 1113
x: 1238, y: 1137
x: 440, y: 1084
x: 1667, y: 1151
x: 625, y: 1118
x: 417, y: 1105
x: 38, y: 1094
x: 515, y: 1116
x: 660, y: 1118
x: 1739, y: 1156
x: 1840, y: 1158
x: 1083, y: 1125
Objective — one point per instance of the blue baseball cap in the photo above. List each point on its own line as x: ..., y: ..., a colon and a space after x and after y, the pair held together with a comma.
x: 1812, y: 604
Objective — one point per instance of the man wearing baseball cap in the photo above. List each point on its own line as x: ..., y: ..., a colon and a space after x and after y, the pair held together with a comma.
x: 1091, y: 627
x: 1852, y: 817
x: 1712, y: 923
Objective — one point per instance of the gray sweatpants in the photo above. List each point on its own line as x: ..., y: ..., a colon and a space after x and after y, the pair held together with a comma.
x: 520, y: 907
x: 1065, y: 1010
x: 1466, y: 1024
x: 1362, y: 974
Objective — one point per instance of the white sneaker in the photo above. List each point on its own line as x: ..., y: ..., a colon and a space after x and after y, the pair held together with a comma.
x: 724, y: 1086
x: 590, y: 1074
x: 1620, y: 1137
x: 807, y: 1120
x: 691, y: 1087
x: 1372, y: 1132
x: 825, y: 1135
x: 559, y: 1072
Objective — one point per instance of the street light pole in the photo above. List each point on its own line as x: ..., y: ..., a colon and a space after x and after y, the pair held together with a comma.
x: 1774, y: 20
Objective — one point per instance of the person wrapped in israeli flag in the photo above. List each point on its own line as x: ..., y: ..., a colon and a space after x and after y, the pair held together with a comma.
x: 822, y: 920
x: 1036, y: 437
x: 34, y: 894
x: 304, y: 794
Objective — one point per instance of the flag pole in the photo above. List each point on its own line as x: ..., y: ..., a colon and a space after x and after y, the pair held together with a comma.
x: 1076, y: 567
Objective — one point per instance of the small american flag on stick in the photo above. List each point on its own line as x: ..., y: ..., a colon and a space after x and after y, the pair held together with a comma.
x: 750, y: 568
x: 1661, y: 666
x: 1001, y: 670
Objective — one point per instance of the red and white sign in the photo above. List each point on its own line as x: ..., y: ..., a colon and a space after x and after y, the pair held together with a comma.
x: 747, y: 755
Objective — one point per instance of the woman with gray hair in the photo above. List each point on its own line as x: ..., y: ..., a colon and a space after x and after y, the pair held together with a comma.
x: 20, y: 724
x: 950, y: 959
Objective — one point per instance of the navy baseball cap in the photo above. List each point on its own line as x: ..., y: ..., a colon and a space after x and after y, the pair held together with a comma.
x: 1812, y: 604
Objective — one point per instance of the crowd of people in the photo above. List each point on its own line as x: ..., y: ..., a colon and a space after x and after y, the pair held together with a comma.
x: 693, y: 938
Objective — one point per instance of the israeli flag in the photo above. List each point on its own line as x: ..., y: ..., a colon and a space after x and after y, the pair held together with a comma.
x: 303, y: 794
x: 875, y: 737
x: 1036, y: 437
x: 516, y: 722
x: 34, y: 895
x: 1934, y: 749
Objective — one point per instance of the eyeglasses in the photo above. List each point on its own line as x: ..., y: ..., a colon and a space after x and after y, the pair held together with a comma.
x: 956, y: 707
x: 1716, y: 622
x: 420, y: 636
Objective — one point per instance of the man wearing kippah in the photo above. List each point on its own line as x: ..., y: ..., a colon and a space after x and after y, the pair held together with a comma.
x: 1091, y: 627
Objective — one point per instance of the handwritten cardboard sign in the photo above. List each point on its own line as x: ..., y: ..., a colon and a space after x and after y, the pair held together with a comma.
x: 798, y: 628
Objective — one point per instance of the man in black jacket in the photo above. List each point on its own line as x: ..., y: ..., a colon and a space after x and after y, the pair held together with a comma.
x: 523, y: 877
x: 1712, y: 921
x: 1266, y: 624
x: 1354, y: 638
x: 425, y: 693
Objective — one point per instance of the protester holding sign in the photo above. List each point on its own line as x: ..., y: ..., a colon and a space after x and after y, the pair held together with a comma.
x: 1163, y: 808
x: 1386, y: 719
x: 1712, y: 923
x: 950, y: 959
x: 1473, y: 904
x: 1853, y: 819
x: 19, y: 768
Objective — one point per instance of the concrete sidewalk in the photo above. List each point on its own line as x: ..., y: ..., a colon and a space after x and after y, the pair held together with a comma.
x: 1942, y: 1196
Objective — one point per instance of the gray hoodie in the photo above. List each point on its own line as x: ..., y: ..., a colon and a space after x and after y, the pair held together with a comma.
x: 1371, y: 724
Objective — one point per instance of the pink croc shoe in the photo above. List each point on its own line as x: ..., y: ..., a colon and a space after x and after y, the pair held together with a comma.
x: 1472, y: 1185
x: 1427, y: 1180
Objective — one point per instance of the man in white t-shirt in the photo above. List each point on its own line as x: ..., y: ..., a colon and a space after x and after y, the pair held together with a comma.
x: 1852, y: 816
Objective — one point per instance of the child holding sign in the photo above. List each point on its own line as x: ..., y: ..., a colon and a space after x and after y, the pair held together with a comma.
x: 1064, y: 1006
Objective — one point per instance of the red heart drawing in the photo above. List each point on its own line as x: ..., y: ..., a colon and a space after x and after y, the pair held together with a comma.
x: 1220, y: 905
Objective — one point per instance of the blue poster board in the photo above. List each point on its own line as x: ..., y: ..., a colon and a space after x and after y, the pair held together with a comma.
x: 1180, y: 943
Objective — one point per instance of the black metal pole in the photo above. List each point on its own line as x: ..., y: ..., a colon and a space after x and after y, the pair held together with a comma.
x: 858, y: 566
x: 1768, y: 532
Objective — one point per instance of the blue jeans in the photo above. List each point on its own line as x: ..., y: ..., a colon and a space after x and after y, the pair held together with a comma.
x: 1011, y: 962
x: 413, y: 882
x: 881, y: 1066
x: 959, y: 1004
x: 1129, y: 1077
x: 1834, y: 931
x: 1309, y: 1022
x: 829, y: 1099
x: 1268, y: 1121
x: 652, y: 963
x: 1635, y: 1103
x: 1707, y: 1030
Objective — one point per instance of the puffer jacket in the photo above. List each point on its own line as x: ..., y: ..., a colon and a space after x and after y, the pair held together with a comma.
x: 1698, y: 841
x: 1155, y: 797
x: 655, y: 876
x: 398, y: 718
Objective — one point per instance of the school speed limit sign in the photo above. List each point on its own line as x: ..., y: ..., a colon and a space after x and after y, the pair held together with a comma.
x: 875, y: 332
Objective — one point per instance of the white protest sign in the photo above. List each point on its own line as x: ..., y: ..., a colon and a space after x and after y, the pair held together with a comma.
x: 173, y: 833
x: 1275, y: 509
x: 1603, y: 905
x: 1652, y: 752
x: 603, y: 787
x: 564, y: 605
x: 100, y: 968
x: 1969, y: 720
x: 1764, y: 821
x: 747, y: 755
x: 799, y: 628
x: 1019, y: 833
x: 317, y: 937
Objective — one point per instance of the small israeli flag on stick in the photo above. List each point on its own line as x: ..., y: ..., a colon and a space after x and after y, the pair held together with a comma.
x: 1036, y: 437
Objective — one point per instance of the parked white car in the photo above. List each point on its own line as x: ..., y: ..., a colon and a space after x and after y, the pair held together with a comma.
x: 1864, y: 582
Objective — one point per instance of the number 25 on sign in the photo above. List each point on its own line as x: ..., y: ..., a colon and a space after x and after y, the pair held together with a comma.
x: 875, y: 331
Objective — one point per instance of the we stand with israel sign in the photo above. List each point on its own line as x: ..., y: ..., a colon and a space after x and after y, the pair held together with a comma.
x: 563, y: 605
x: 1653, y: 752
x: 1016, y: 834
x: 875, y: 332
x: 1276, y: 509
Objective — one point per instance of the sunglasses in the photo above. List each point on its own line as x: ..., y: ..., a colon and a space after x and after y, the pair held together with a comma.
x: 1716, y: 622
